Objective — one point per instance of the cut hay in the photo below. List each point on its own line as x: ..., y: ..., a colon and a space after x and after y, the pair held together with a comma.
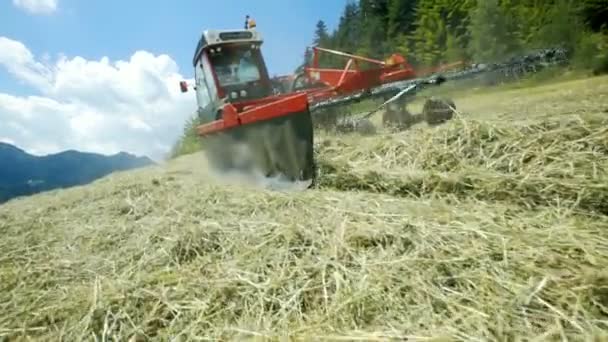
x: 181, y: 260
x: 552, y: 163
x: 468, y: 231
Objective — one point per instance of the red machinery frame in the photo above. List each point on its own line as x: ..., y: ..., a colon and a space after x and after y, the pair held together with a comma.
x: 352, y: 79
x: 247, y: 112
x: 324, y: 83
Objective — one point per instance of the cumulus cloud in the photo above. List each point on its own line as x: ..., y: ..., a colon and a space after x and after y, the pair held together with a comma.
x: 19, y: 61
x: 37, y: 6
x: 94, y: 105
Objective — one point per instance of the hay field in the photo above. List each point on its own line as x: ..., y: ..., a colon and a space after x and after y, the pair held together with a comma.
x: 491, y: 227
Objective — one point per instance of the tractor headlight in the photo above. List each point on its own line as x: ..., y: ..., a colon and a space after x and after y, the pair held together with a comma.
x: 243, y: 93
x: 234, y: 95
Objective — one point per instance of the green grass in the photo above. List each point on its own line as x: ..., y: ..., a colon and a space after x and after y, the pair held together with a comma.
x: 189, y: 141
x: 476, y: 86
x: 491, y: 227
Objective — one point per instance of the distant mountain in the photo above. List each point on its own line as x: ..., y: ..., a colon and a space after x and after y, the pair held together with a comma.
x: 23, y: 174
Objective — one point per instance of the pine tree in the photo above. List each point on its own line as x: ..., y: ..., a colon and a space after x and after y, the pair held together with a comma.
x: 563, y: 26
x: 428, y: 39
x: 524, y: 19
x: 348, y: 31
x: 454, y: 51
x: 400, y: 17
x: 321, y: 36
x: 373, y: 15
x: 596, y: 14
x: 490, y: 40
x: 323, y: 39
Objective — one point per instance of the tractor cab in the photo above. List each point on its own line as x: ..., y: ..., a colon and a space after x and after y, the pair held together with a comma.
x: 238, y: 110
x: 229, y: 67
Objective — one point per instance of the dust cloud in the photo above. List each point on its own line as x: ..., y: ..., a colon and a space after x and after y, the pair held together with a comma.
x: 200, y: 166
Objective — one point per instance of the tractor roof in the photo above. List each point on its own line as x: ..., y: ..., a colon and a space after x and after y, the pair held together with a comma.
x: 219, y: 37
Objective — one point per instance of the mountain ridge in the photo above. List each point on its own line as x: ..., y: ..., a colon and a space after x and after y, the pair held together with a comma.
x: 24, y: 174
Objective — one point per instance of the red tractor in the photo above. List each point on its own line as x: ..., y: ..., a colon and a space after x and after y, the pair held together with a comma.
x: 240, y: 112
x: 249, y: 123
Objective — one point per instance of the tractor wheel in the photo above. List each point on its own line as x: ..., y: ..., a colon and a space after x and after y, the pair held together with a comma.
x: 365, y: 127
x: 298, y: 83
x: 362, y: 126
x: 326, y: 119
x: 437, y: 111
x: 345, y: 127
x: 397, y: 117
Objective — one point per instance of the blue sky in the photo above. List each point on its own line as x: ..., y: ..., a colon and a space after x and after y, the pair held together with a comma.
x: 116, y: 29
x: 102, y: 76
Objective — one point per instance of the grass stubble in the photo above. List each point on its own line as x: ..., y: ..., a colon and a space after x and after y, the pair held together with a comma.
x: 474, y: 230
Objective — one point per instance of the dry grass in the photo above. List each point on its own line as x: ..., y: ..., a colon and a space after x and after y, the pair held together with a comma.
x: 475, y: 230
x: 552, y: 163
x: 580, y: 96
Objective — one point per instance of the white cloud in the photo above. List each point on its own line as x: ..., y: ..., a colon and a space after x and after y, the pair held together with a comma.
x: 97, y: 106
x: 19, y: 61
x: 37, y: 6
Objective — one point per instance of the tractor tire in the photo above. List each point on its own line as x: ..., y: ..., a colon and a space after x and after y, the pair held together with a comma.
x: 362, y: 126
x: 326, y: 119
x: 345, y: 126
x: 437, y: 110
x: 298, y: 83
x: 365, y: 127
x: 397, y: 118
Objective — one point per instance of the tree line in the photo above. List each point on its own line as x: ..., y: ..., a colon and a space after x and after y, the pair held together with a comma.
x: 431, y: 32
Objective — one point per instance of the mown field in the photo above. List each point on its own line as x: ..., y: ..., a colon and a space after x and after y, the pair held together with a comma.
x: 491, y: 227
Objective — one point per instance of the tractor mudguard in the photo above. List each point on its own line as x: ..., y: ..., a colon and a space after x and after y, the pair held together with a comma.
x: 275, y: 139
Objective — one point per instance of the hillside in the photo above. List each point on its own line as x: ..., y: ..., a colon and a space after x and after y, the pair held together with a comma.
x: 24, y: 174
x: 491, y: 227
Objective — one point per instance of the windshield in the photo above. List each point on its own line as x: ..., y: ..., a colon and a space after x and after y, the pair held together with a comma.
x: 235, y: 66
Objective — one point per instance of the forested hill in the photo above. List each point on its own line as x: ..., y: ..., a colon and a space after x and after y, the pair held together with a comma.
x: 23, y: 174
x: 430, y: 32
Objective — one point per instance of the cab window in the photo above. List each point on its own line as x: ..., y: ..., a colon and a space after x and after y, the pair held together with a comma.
x: 202, y: 92
x: 236, y: 65
x: 208, y: 74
